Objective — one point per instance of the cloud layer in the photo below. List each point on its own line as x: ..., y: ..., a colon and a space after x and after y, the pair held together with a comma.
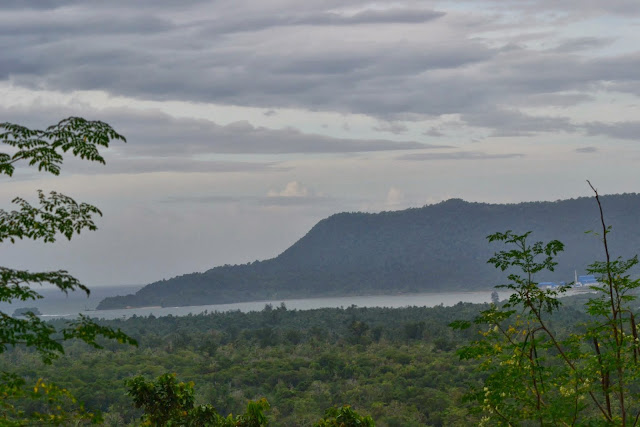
x: 409, y: 61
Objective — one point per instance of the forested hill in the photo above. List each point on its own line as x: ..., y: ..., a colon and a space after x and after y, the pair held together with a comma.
x: 440, y: 247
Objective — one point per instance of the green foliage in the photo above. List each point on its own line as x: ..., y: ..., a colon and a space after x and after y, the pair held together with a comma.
x: 42, y: 148
x: 167, y: 402
x: 51, y: 405
x: 399, y: 380
x: 56, y: 214
x: 538, y: 373
x: 164, y: 400
x: 344, y: 417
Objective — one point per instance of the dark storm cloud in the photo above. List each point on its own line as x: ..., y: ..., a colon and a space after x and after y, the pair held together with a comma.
x: 458, y: 155
x: 395, y: 63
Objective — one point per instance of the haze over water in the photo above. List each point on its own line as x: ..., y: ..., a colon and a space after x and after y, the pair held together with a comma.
x: 56, y: 304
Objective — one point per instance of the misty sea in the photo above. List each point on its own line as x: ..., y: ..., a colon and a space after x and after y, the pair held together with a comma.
x: 56, y: 304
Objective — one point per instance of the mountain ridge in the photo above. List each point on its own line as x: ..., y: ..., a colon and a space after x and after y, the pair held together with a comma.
x: 439, y: 247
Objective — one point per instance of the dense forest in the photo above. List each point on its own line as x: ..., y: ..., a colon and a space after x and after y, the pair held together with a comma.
x: 398, y: 365
x: 437, y: 248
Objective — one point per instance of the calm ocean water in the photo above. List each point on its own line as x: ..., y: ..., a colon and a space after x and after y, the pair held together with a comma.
x: 56, y: 304
x: 404, y: 300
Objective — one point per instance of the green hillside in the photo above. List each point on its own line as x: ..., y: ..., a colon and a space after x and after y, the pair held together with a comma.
x: 439, y: 247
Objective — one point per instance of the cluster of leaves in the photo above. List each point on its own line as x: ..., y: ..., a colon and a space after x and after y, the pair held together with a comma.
x: 49, y: 404
x: 167, y: 402
x: 45, y: 148
x: 344, y: 417
x: 534, y: 373
x: 55, y: 214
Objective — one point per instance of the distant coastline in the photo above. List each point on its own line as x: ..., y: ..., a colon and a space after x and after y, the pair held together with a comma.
x: 437, y: 248
x: 428, y: 299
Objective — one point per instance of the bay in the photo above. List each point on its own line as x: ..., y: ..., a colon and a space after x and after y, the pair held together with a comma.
x: 57, y: 305
x: 392, y: 301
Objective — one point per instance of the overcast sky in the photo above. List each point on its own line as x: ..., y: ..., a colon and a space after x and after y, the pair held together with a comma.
x: 250, y: 120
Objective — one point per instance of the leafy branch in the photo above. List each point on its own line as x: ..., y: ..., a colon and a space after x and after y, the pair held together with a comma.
x: 43, y: 148
x: 535, y: 374
x: 56, y: 214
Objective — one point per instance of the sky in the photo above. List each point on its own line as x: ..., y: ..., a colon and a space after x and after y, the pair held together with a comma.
x: 247, y: 121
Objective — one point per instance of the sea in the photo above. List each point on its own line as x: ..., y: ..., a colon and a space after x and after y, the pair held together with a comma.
x: 56, y: 304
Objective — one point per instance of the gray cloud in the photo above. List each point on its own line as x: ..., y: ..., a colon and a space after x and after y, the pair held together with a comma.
x: 391, y: 127
x: 433, y: 131
x: 556, y: 99
x: 55, y: 4
x: 173, y: 59
x: 580, y: 7
x: 161, y: 143
x: 393, y: 63
x: 581, y: 44
x: 133, y: 165
x: 158, y: 135
x: 208, y: 199
x: 108, y: 23
x: 515, y: 123
x: 270, y: 201
x: 586, y: 150
x: 458, y: 155
x: 249, y: 22
x: 174, y: 136
x: 577, y: 6
x: 623, y: 130
x: 296, y: 201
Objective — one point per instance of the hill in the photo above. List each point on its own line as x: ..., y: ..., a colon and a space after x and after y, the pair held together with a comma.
x: 435, y: 248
